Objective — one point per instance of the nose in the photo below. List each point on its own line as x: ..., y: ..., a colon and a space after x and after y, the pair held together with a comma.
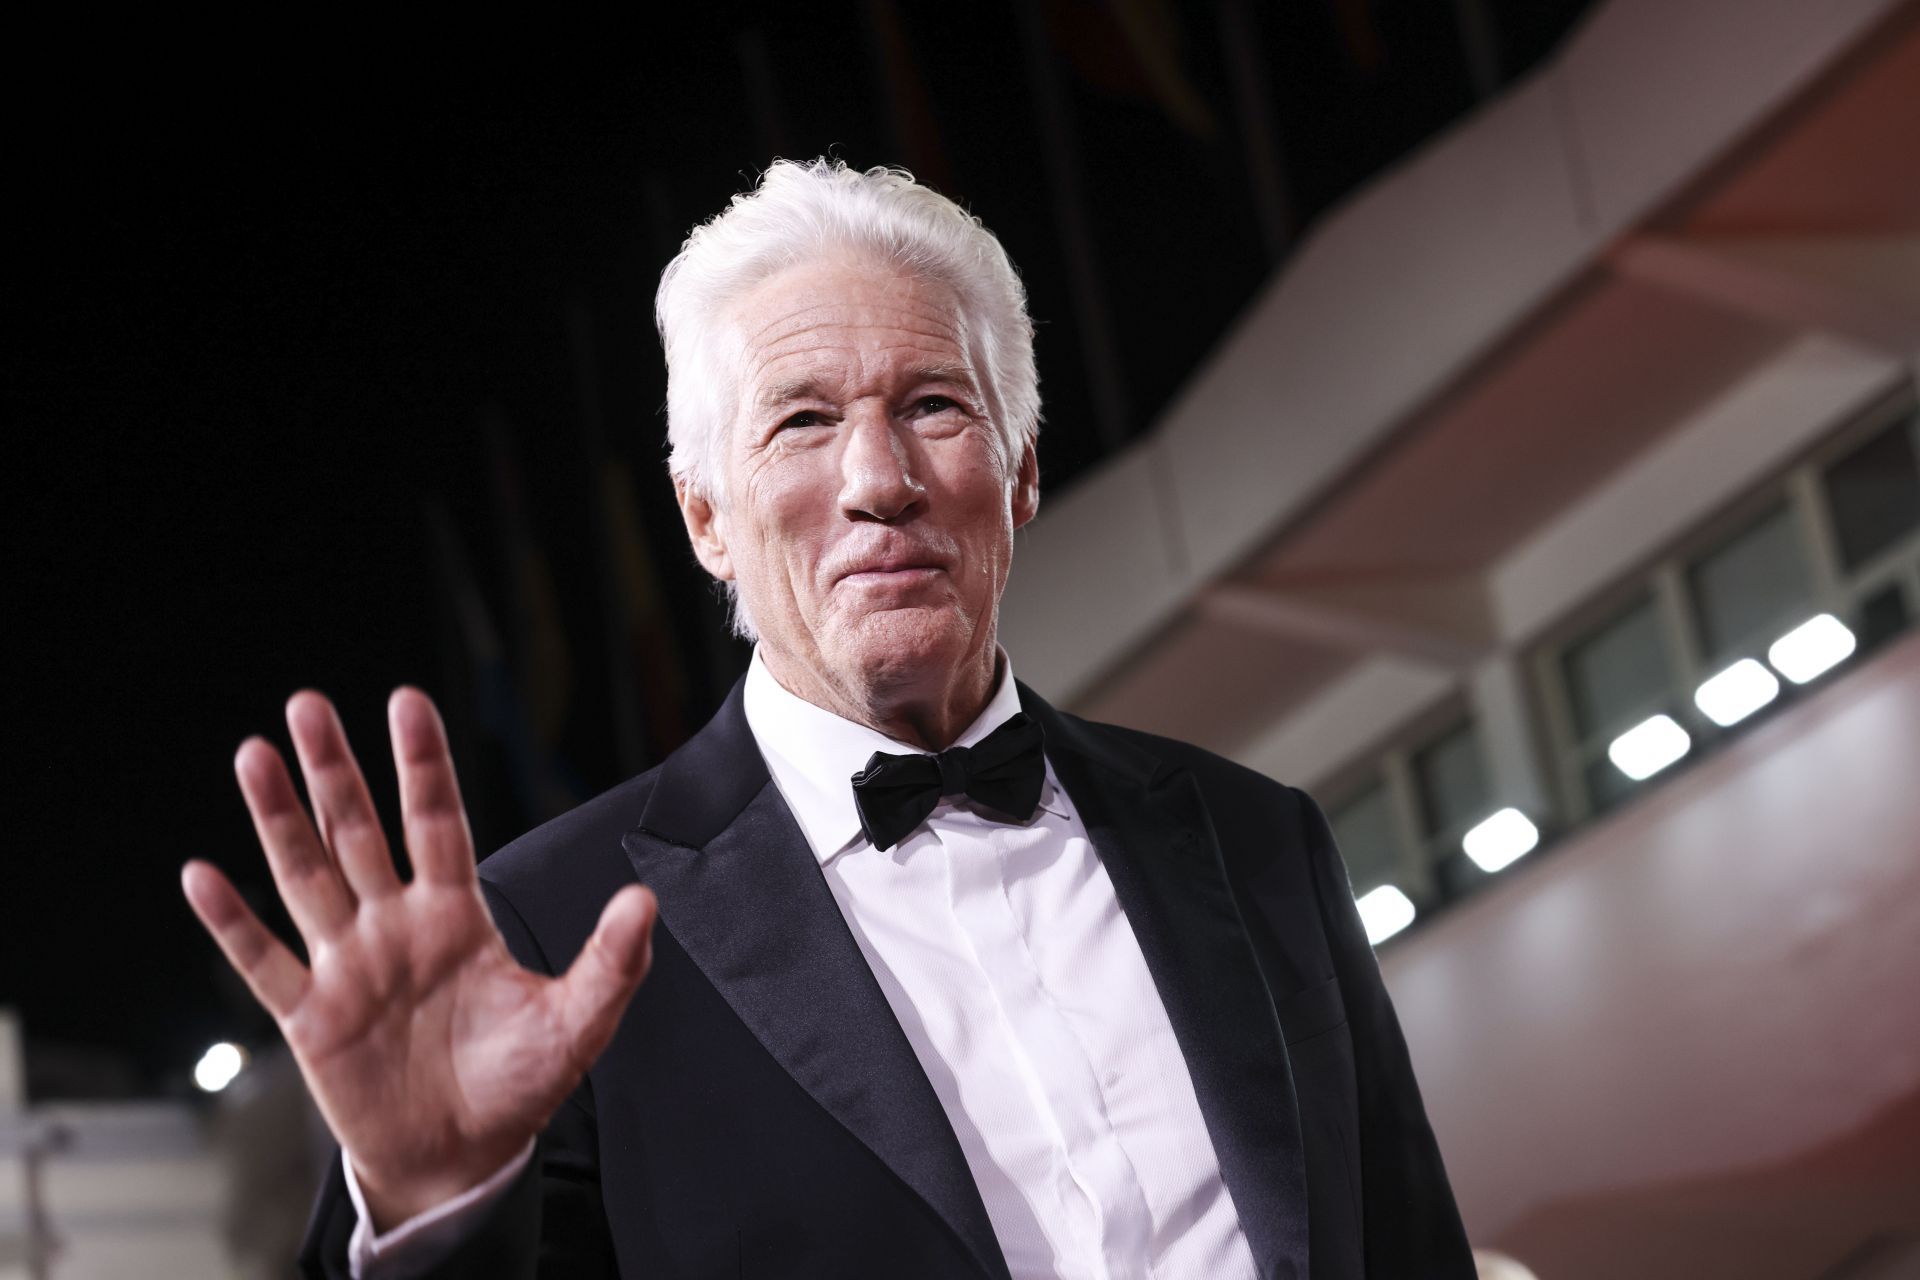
x: 876, y: 468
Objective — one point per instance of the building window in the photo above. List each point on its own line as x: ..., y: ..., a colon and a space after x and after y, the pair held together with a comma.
x: 1881, y: 616
x: 1825, y: 564
x: 1450, y: 775
x: 1874, y: 493
x: 1454, y: 795
x: 1363, y: 828
x: 1762, y: 599
x: 1751, y: 588
x: 1401, y: 817
x: 1620, y: 673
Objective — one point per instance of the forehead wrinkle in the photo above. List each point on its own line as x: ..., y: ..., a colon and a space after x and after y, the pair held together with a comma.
x: 906, y: 303
x: 931, y: 352
x: 932, y: 326
x: 941, y: 358
x: 827, y: 377
x: 890, y: 338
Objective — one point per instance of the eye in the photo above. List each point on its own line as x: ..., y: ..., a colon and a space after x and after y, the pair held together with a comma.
x: 936, y: 404
x: 805, y: 418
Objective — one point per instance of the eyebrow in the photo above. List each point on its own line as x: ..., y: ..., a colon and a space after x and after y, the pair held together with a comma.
x: 957, y: 373
x: 808, y: 386
x: 787, y: 391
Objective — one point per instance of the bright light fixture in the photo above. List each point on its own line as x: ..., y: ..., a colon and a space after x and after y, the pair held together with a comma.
x: 219, y: 1066
x: 1385, y: 911
x: 1649, y: 747
x: 1737, y: 692
x: 1501, y: 840
x: 1811, y: 648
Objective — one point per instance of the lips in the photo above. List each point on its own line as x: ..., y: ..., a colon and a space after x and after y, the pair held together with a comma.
x: 899, y: 566
x: 888, y: 564
x: 890, y: 573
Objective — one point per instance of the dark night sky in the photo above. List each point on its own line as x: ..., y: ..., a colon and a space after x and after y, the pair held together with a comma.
x: 266, y: 311
x: 267, y: 315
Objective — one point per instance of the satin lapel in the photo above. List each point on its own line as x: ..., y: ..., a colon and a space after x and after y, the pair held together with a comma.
x: 1157, y: 842
x: 743, y: 895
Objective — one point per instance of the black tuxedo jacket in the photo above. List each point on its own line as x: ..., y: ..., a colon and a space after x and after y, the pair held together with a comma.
x: 760, y: 1112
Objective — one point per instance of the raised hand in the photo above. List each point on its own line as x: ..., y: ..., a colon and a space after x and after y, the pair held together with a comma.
x: 432, y: 1054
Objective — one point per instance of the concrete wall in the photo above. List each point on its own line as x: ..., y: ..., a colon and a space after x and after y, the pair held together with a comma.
x: 1395, y: 294
x: 1717, y: 984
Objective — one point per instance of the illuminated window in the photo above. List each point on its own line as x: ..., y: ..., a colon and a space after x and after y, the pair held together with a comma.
x: 1732, y: 621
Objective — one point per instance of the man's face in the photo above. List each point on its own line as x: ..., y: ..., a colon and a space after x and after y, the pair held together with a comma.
x: 869, y: 506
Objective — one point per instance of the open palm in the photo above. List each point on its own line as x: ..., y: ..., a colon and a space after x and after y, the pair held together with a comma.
x: 432, y: 1054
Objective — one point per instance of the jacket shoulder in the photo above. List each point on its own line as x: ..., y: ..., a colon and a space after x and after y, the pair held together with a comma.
x: 1273, y: 836
x: 1219, y: 777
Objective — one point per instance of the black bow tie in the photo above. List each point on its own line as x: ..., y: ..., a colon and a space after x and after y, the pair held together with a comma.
x: 1003, y: 771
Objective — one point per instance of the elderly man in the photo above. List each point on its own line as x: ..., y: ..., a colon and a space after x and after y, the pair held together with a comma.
x: 943, y: 982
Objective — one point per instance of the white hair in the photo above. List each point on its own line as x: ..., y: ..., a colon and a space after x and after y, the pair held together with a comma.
x: 804, y: 212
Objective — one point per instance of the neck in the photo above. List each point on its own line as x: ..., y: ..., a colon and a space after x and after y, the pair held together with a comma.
x: 927, y: 709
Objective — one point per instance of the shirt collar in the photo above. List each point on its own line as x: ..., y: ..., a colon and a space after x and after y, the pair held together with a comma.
x: 813, y: 753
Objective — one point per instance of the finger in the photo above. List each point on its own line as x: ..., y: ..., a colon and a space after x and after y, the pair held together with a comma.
x: 309, y: 883
x: 349, y: 827
x: 275, y: 977
x: 436, y: 825
x: 595, y: 991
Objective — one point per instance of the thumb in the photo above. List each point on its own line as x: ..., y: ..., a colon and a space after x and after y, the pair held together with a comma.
x: 608, y: 970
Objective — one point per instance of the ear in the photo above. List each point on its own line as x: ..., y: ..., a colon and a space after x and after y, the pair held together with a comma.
x: 1026, y: 487
x: 704, y: 531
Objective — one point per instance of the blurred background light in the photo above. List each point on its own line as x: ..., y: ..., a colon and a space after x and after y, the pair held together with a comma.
x: 1385, y: 911
x: 1649, y: 747
x: 1811, y: 648
x: 1502, y: 839
x: 1737, y: 692
x: 219, y: 1066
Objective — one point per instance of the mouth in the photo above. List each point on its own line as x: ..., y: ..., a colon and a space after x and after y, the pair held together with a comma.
x: 892, y: 564
x: 897, y: 567
x: 891, y: 574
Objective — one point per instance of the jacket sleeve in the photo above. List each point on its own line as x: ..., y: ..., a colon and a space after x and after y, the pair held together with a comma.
x: 550, y: 1223
x: 1410, y: 1224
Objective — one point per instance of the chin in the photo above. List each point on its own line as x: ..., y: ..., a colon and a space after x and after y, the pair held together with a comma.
x: 899, y: 648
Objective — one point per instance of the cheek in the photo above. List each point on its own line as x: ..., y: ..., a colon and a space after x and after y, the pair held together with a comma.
x: 791, y: 537
x: 989, y: 541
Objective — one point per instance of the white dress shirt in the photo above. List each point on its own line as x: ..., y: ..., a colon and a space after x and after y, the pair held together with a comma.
x: 1021, y: 989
